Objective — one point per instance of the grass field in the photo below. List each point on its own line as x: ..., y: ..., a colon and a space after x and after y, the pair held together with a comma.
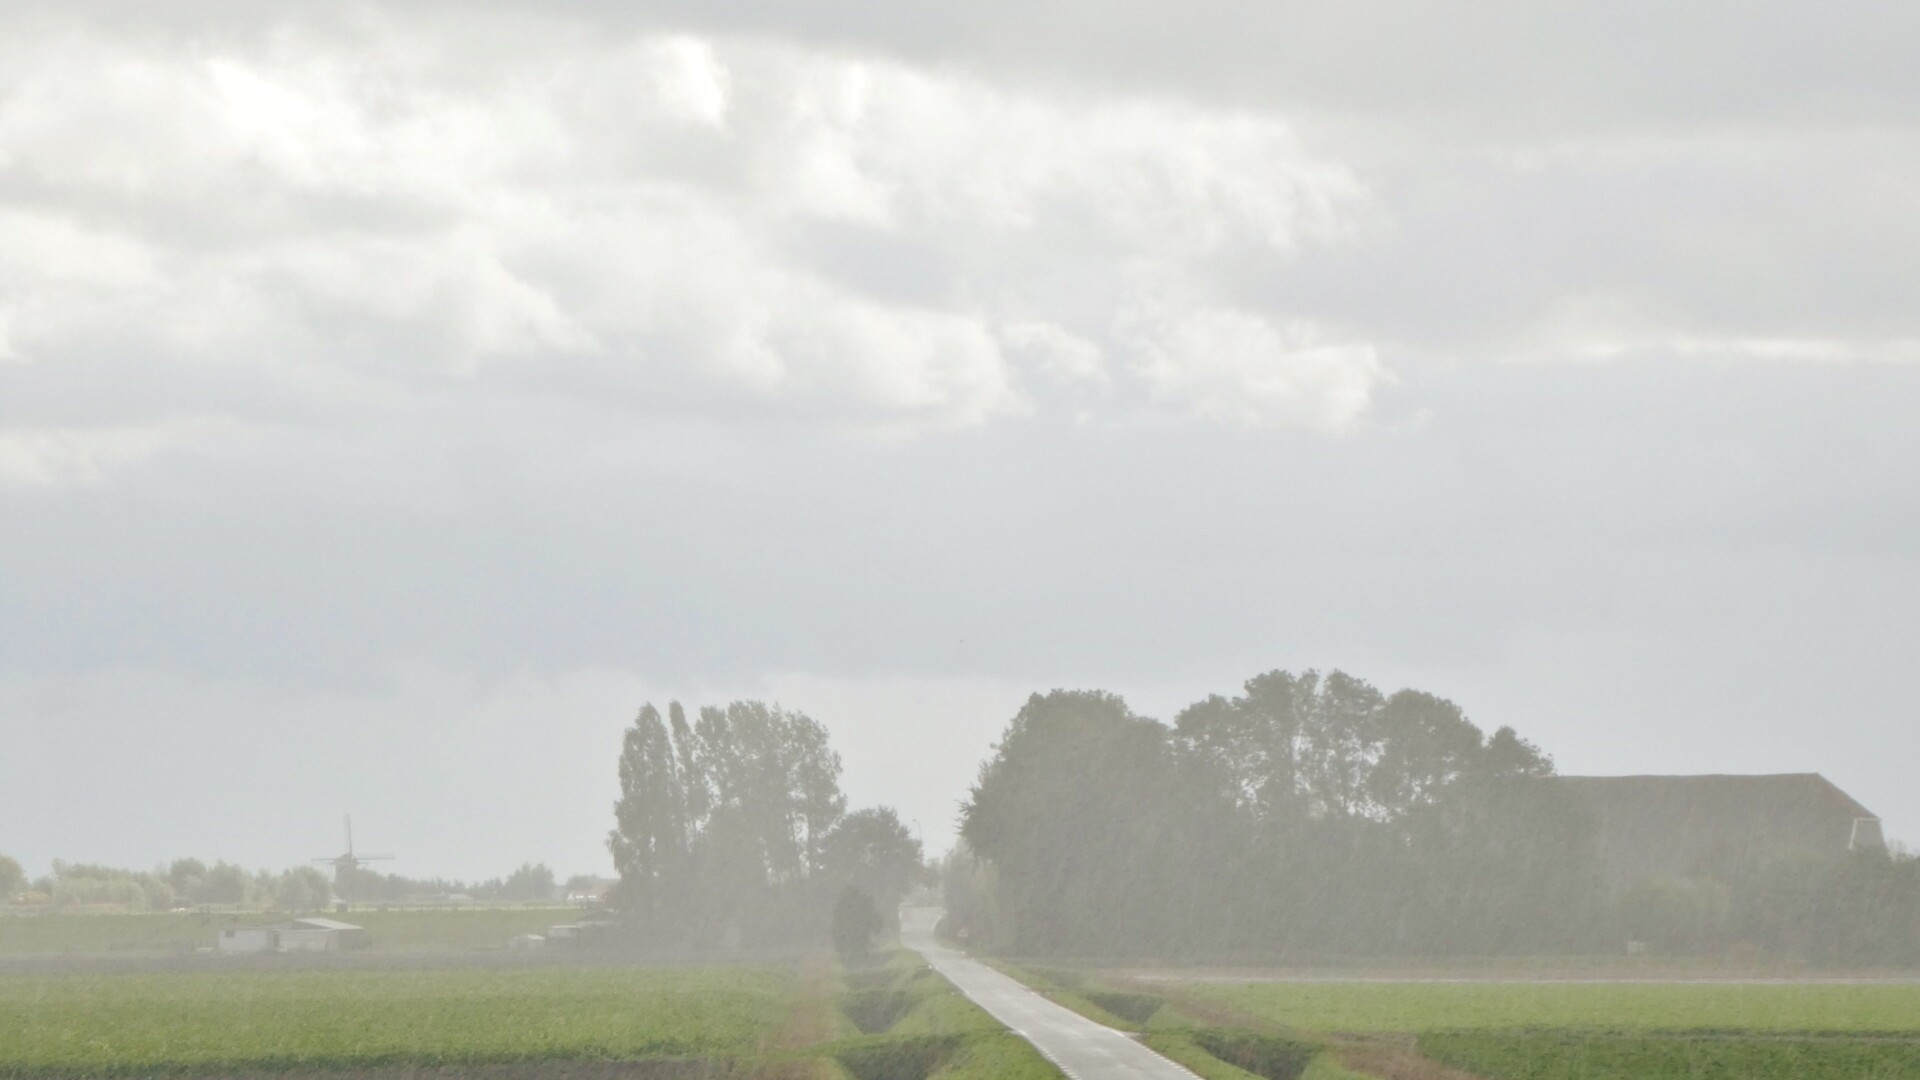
x: 898, y: 1021
x: 246, y: 1021
x: 1589, y: 1056
x: 447, y: 930
x: 1544, y: 1031
x: 1646, y: 1007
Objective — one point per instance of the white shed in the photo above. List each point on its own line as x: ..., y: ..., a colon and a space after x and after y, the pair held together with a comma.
x: 247, y: 939
x: 295, y: 935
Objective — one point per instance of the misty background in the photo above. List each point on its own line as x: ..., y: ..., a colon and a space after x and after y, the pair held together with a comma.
x: 391, y: 401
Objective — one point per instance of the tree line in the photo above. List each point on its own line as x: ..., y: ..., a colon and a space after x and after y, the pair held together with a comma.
x: 1314, y: 817
x: 190, y: 882
x: 731, y: 831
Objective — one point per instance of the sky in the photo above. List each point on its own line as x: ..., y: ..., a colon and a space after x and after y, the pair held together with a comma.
x: 395, y: 397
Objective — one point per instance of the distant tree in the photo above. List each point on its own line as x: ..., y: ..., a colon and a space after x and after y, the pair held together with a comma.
x: 721, y: 823
x: 969, y: 891
x: 303, y: 888
x: 91, y: 884
x: 873, y: 851
x: 225, y: 884
x: 188, y: 877
x: 530, y: 883
x: 855, y: 922
x: 13, y: 880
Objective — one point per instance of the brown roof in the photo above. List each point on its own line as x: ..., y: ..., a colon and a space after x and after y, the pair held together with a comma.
x: 1684, y: 826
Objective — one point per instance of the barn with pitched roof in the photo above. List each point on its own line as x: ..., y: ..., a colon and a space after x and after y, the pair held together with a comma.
x: 1653, y: 827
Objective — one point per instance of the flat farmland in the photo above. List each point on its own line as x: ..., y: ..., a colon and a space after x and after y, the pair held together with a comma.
x: 802, y: 1020
x: 250, y: 1021
x: 1590, y: 1031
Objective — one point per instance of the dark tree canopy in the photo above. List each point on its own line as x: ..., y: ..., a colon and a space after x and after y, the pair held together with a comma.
x: 1311, y: 810
x: 1313, y: 816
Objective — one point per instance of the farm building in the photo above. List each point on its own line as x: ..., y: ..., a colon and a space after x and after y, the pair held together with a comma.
x: 1653, y: 827
x: 295, y: 935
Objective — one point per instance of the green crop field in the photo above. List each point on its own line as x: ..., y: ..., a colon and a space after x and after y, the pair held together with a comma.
x: 1588, y: 1056
x: 247, y: 1021
x: 1890, y: 1008
x: 1575, y: 1031
x: 897, y: 1021
x: 443, y: 930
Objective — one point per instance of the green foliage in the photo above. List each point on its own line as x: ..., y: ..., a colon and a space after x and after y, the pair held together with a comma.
x: 1572, y: 1056
x: 136, y: 1024
x: 531, y: 883
x: 872, y: 851
x: 855, y: 922
x: 13, y: 880
x: 1310, y: 816
x: 722, y: 826
x: 302, y: 888
x: 1068, y: 810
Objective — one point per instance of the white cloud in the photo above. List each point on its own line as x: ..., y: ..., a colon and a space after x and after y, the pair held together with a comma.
x: 1063, y: 356
x: 1241, y: 368
x: 636, y: 219
x: 62, y: 457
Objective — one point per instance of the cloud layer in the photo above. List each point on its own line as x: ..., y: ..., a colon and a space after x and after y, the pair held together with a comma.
x: 659, y: 223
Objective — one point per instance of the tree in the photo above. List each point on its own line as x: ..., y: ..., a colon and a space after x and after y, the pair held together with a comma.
x: 1076, y: 809
x: 531, y: 883
x: 1311, y: 815
x: 189, y: 879
x: 720, y: 828
x: 225, y: 884
x: 649, y: 838
x: 13, y: 880
x: 855, y: 922
x: 874, y: 852
x: 303, y: 888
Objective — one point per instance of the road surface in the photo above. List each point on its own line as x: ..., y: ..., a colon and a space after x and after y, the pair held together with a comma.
x: 1081, y: 1048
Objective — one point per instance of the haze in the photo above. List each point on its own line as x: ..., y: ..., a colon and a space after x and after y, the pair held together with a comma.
x: 393, y: 398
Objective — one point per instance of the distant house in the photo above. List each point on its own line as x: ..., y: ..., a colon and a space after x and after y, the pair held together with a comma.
x: 294, y: 935
x: 1651, y: 827
x: 591, y: 893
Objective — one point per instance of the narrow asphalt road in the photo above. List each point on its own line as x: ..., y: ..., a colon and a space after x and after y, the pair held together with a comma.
x: 1081, y: 1048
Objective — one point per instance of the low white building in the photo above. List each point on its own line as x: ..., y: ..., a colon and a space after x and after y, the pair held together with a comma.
x: 294, y: 935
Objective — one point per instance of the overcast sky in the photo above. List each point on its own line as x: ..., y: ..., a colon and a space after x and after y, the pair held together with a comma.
x: 392, y: 398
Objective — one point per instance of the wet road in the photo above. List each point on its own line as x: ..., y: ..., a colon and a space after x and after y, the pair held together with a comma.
x: 1081, y: 1048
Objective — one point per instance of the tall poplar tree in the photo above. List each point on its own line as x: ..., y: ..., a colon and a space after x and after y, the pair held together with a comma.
x: 649, y: 839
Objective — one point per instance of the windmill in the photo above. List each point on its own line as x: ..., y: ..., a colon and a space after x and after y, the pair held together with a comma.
x: 345, y: 864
